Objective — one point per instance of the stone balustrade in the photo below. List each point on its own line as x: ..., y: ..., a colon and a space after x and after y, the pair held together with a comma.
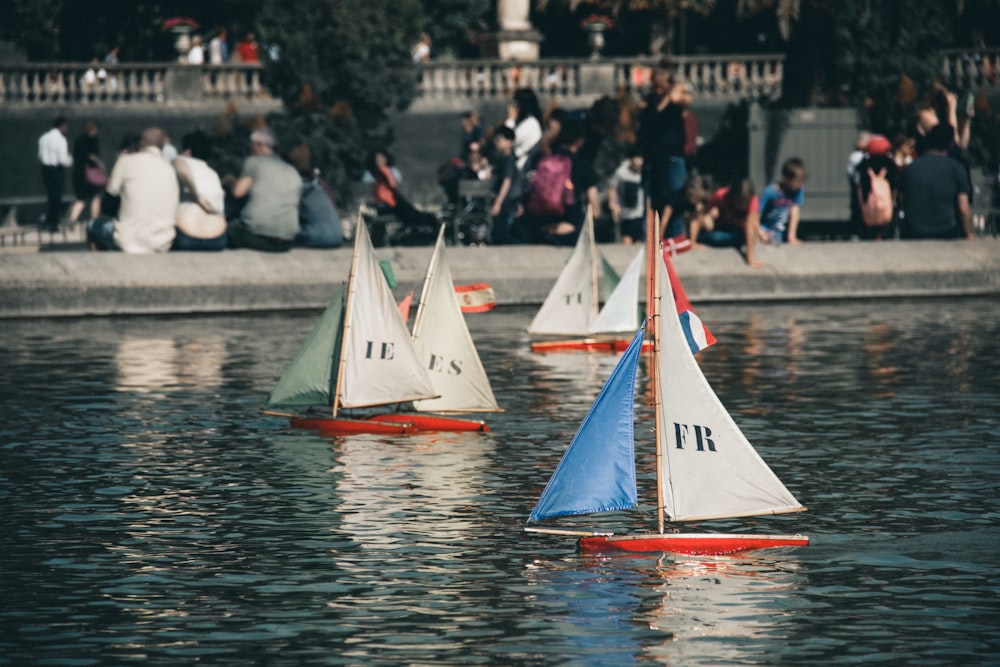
x: 41, y: 84
x: 723, y: 78
x: 442, y: 83
x: 971, y: 69
x: 712, y: 77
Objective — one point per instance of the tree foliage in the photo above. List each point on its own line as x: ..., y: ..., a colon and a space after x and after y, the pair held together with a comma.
x: 81, y: 30
x: 340, y: 67
x: 454, y: 24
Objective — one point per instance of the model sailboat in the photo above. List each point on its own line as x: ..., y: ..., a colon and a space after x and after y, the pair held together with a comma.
x: 443, y: 342
x: 360, y: 356
x: 705, y: 467
x: 572, y: 307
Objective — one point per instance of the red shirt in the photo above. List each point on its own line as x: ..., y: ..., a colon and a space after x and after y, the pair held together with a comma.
x: 247, y: 52
x: 731, y: 219
x: 385, y: 187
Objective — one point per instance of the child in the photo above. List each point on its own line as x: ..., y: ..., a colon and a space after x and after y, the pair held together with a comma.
x: 626, y: 198
x: 733, y: 220
x: 506, y: 186
x: 781, y: 202
x: 696, y: 197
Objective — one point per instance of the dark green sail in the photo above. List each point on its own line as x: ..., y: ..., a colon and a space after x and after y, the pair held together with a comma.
x: 310, y: 379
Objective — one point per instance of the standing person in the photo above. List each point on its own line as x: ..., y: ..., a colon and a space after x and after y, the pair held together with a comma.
x: 87, y: 153
x: 218, y: 48
x: 626, y: 198
x: 53, y: 154
x: 269, y: 220
x: 877, y: 176
x: 691, y: 130
x: 472, y: 129
x: 196, y: 54
x: 247, y: 49
x: 149, y: 195
x: 661, y: 136
x: 524, y: 116
x: 506, y: 186
x: 421, y: 51
x: 201, y: 219
x: 936, y: 191
x: 732, y: 220
x: 781, y: 204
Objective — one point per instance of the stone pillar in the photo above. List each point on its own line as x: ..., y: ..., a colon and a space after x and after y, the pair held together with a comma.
x: 516, y: 39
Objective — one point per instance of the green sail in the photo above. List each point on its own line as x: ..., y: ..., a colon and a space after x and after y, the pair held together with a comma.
x: 311, y: 378
x: 610, y: 281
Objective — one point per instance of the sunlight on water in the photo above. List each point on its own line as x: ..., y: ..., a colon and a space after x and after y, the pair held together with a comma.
x: 152, y: 513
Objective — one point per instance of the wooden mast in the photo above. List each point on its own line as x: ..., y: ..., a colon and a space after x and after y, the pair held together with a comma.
x: 589, y: 224
x: 431, y: 268
x: 653, y: 306
x: 345, y: 329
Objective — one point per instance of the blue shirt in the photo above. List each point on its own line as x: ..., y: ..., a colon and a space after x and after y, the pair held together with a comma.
x: 776, y: 206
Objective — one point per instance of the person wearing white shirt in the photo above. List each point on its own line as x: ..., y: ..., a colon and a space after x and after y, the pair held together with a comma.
x: 53, y: 154
x: 150, y: 195
x: 524, y: 116
x: 196, y: 55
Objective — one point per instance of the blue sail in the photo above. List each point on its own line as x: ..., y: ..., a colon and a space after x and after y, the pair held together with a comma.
x: 597, y: 472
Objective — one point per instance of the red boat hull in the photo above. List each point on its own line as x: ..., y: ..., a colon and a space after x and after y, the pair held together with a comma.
x: 425, y: 422
x: 585, y: 345
x: 695, y: 544
x: 388, y: 423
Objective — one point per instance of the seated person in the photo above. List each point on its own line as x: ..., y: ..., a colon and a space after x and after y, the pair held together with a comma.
x: 386, y: 195
x: 147, y: 186
x: 269, y: 220
x: 732, y: 221
x: 201, y: 223
x: 319, y: 223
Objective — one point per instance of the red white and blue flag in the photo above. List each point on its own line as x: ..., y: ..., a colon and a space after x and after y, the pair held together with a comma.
x: 697, y: 334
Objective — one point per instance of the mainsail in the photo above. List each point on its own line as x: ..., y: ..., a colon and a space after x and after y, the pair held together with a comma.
x: 443, y: 342
x: 379, y: 363
x: 620, y: 313
x: 709, y: 469
x: 571, y: 305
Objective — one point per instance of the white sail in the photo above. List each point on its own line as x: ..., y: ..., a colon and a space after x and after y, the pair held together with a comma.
x: 620, y: 313
x: 572, y: 304
x: 445, y: 345
x: 379, y: 362
x: 708, y: 469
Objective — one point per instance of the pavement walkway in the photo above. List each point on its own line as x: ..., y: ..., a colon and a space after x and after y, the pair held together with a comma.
x: 64, y: 280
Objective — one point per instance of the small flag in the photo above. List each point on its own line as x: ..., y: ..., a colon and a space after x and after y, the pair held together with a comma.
x: 697, y: 334
x: 475, y: 298
x: 404, y: 306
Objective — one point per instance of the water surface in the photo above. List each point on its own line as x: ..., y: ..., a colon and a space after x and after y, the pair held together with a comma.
x: 150, y: 513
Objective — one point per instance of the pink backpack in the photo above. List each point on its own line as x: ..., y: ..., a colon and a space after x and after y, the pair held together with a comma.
x: 877, y: 209
x: 550, y: 191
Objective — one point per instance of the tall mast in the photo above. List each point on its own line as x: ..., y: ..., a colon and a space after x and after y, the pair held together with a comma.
x: 656, y: 257
x: 345, y: 330
x: 431, y: 268
x: 589, y: 224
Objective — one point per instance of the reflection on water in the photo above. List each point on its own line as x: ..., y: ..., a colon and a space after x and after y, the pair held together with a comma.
x: 151, y: 513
